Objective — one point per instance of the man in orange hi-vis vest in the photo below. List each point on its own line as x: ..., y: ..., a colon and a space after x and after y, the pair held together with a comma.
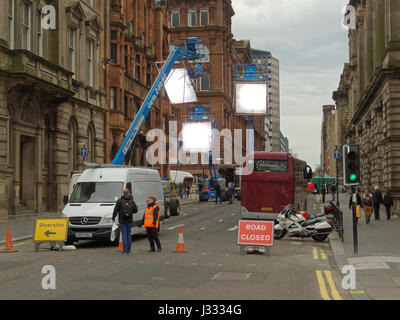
x: 151, y: 221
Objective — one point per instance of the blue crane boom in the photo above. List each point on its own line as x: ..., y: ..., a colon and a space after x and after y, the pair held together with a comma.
x: 178, y: 53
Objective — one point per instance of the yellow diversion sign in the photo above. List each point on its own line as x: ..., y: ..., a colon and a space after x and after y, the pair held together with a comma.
x: 50, y: 230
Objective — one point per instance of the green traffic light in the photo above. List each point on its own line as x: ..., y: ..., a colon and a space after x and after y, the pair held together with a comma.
x: 353, y: 177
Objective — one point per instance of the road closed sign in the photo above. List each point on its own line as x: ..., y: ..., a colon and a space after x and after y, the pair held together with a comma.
x: 50, y: 230
x: 258, y: 233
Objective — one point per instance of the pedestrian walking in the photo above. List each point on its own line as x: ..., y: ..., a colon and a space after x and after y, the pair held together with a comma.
x: 218, y: 193
x: 358, y: 200
x: 367, y: 202
x: 151, y: 220
x: 323, y: 191
x: 187, y: 192
x: 180, y: 190
x: 333, y: 190
x: 125, y: 208
x: 388, y: 202
x: 377, y: 197
x: 230, y: 192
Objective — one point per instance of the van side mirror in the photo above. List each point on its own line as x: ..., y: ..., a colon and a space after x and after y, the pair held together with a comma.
x: 65, y: 199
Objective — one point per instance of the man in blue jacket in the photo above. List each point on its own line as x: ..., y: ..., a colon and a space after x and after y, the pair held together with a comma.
x: 230, y: 192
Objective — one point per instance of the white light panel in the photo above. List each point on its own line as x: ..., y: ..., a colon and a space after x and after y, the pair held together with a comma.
x: 196, y: 136
x: 251, y: 98
x: 179, y: 87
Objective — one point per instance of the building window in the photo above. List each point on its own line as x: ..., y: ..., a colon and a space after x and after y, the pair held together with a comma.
x: 40, y: 35
x: 148, y: 75
x: 113, y: 35
x: 192, y: 17
x: 175, y: 18
x: 205, y: 82
x: 126, y: 107
x: 89, y: 144
x: 11, y: 23
x: 137, y: 67
x: 113, y: 98
x: 204, y: 17
x: 71, y: 50
x: 114, y: 52
x: 26, y: 26
x: 90, y: 62
x: 113, y: 46
x: 165, y: 123
x: 126, y: 65
x: 71, y: 140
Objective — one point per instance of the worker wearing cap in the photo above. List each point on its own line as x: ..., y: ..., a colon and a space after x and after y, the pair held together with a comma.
x: 151, y: 220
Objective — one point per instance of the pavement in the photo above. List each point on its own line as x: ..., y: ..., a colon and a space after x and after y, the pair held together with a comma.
x: 377, y: 262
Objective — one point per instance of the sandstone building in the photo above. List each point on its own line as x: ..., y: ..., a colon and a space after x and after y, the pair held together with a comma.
x: 368, y: 96
x: 136, y: 38
x: 52, y: 100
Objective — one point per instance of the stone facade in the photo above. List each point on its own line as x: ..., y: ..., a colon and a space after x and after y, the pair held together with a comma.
x: 52, y: 101
x: 368, y: 96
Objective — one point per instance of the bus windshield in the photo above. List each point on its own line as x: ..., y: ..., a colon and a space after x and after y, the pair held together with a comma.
x: 96, y: 192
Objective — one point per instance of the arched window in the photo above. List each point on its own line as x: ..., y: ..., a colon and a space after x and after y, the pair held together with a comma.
x: 202, y: 49
x: 71, y: 147
x: 204, y: 17
x: 175, y: 19
x: 192, y: 17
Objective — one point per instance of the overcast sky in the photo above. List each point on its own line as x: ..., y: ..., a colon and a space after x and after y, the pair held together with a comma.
x: 312, y: 46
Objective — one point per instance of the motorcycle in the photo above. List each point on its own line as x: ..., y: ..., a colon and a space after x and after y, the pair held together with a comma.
x: 294, y: 224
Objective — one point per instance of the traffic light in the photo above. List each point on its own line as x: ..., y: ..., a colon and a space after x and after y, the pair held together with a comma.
x: 351, y: 164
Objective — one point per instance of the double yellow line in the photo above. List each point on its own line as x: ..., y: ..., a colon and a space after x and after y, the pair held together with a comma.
x: 322, y: 287
x: 316, y: 256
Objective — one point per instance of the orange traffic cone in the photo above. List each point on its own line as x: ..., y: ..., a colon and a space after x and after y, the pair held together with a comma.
x: 9, y: 246
x: 120, y: 244
x: 180, y: 247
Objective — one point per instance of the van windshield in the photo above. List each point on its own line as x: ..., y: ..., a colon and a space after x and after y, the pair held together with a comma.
x: 95, y: 192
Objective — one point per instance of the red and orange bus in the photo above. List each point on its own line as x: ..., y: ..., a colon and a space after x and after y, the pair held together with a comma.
x: 270, y: 181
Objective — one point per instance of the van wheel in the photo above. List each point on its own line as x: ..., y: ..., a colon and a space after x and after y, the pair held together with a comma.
x: 167, y: 213
x: 174, y: 207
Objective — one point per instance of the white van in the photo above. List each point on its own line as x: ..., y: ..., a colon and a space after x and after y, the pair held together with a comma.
x: 72, y: 183
x: 92, y: 202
